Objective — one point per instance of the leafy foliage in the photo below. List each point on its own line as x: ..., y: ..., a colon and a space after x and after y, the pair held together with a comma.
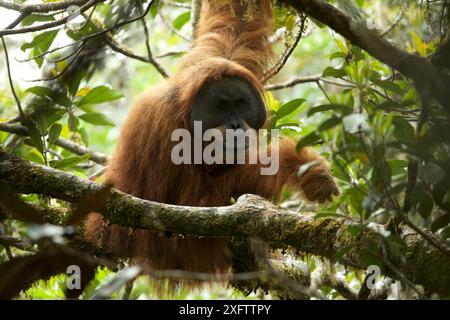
x: 389, y: 147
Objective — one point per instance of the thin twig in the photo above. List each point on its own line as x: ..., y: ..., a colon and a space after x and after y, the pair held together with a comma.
x: 168, y: 25
x: 27, y: 9
x: 288, y: 52
x: 76, y: 54
x: 394, y: 24
x: 43, y: 54
x: 48, y: 25
x: 170, y: 54
x: 96, y: 34
x: 178, y: 4
x: 149, y: 49
x: 115, y: 47
x: 293, y: 82
x: 8, y: 68
x: 41, y: 7
x: 306, y: 79
x: 195, y: 11
x: 410, y: 65
x: 97, y: 173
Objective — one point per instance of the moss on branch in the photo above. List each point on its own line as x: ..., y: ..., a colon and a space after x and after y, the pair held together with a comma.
x: 251, y: 216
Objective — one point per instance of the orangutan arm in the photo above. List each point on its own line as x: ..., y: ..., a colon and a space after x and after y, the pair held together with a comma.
x: 316, y: 184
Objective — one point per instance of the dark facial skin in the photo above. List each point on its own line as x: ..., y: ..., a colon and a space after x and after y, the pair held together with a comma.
x: 228, y: 103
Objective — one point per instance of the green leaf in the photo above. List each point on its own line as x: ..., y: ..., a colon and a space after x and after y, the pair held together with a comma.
x: 388, y: 105
x: 62, y: 99
x: 342, y: 252
x: 334, y: 73
x: 288, y: 125
x: 69, y: 162
x: 107, y: 289
x: 97, y: 118
x: 35, y: 137
x: 100, y: 94
x: 329, y: 107
x: 425, y: 206
x: 33, y: 155
x: 42, y: 40
x: 154, y: 11
x: 47, y: 93
x: 54, y: 132
x: 393, y: 239
x: 330, y: 123
x: 388, y: 85
x: 419, y: 45
x: 439, y: 190
x: 341, y: 45
x: 417, y: 193
x: 290, y: 22
x: 73, y: 122
x: 181, y: 20
x: 398, y: 166
x: 307, y: 140
x: 32, y: 18
x: 41, y: 122
x: 88, y: 29
x: 353, y: 229
x: 432, y: 173
x: 84, y: 136
x: 339, y: 170
x: 289, y: 107
x: 440, y: 222
x: 403, y: 129
x: 73, y: 82
x: 40, y: 44
x: 411, y: 95
x: 369, y: 259
x: 337, y: 55
x: 446, y: 233
x: 40, y: 91
x: 327, y: 214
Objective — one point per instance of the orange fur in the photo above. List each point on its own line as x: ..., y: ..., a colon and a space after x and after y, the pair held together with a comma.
x: 226, y: 45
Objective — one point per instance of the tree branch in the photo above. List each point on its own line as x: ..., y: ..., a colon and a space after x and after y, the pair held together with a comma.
x: 41, y: 7
x: 419, y: 69
x: 10, y: 29
x: 251, y: 216
x: 120, y: 49
x: 196, y: 8
x: 80, y: 150
x: 27, y: 9
x: 11, y: 85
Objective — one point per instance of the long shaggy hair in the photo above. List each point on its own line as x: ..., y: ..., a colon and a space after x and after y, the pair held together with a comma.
x: 232, y: 40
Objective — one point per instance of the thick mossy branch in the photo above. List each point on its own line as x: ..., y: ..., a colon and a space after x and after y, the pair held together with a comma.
x: 250, y: 216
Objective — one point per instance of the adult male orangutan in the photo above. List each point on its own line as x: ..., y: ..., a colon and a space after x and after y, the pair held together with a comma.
x: 217, y: 84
